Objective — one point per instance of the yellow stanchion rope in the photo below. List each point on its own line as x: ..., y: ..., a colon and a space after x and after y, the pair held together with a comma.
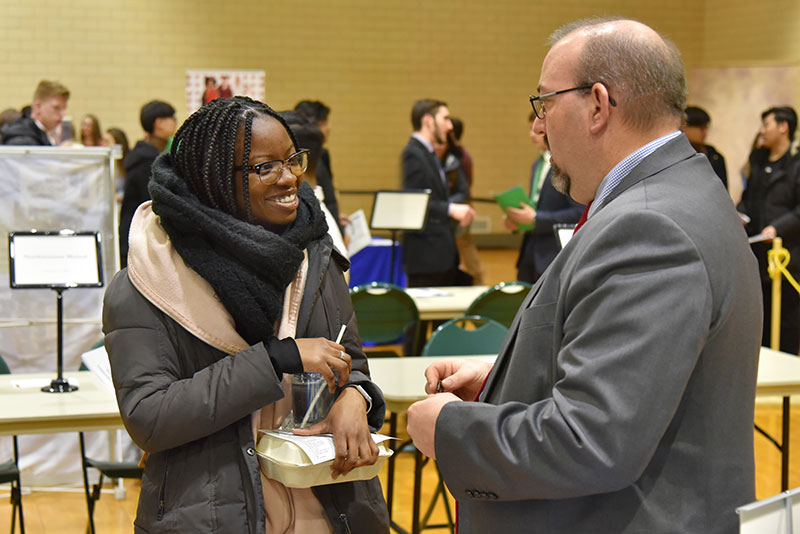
x: 777, y: 262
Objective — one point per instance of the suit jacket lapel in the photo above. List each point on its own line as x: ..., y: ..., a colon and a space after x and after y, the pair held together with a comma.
x: 508, y: 343
x: 430, y: 160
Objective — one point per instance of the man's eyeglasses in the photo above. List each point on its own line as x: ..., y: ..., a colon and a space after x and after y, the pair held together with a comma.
x: 537, y: 102
x: 269, y: 172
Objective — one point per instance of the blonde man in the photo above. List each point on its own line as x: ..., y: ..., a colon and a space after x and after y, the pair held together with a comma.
x: 47, y: 113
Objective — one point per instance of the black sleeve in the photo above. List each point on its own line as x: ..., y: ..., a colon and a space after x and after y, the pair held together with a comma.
x: 284, y: 355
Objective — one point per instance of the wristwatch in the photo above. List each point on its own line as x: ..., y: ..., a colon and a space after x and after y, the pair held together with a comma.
x: 363, y: 394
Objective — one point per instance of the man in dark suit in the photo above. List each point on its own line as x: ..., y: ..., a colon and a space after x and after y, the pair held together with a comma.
x: 549, y: 207
x: 622, y: 399
x: 430, y: 256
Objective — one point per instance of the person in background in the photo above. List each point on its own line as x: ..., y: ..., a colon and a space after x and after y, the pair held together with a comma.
x: 158, y: 121
x: 771, y: 201
x: 319, y: 114
x: 90, y: 131
x: 115, y: 136
x: 696, y: 130
x: 430, y: 256
x: 211, y: 91
x: 622, y: 401
x: 549, y: 207
x: 458, y: 156
x: 232, y: 285
x: 8, y: 115
x: 41, y: 127
x: 310, y: 138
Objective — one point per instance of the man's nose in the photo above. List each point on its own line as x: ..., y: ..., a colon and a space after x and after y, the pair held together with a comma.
x: 538, y: 126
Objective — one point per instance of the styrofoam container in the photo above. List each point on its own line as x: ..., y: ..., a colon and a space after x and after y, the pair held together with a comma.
x: 287, y: 463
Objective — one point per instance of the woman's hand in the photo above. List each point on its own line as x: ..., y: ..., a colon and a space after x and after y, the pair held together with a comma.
x: 324, y: 356
x: 347, y: 421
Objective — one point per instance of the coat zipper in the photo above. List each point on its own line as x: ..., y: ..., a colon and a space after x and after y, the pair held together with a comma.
x: 162, y: 492
x: 343, y: 519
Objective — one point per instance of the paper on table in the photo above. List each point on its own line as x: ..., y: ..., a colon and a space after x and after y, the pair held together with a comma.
x: 96, y: 360
x: 359, y: 232
x: 319, y: 448
x: 427, y: 292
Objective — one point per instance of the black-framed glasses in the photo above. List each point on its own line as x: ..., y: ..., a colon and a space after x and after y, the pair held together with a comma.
x: 269, y: 172
x: 537, y: 102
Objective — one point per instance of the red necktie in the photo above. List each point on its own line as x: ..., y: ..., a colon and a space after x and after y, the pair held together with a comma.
x: 583, y: 218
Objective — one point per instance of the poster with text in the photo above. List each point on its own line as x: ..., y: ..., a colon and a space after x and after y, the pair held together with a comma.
x: 203, y: 86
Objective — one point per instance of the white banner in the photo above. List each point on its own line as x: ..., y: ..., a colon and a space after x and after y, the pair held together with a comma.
x: 46, y: 188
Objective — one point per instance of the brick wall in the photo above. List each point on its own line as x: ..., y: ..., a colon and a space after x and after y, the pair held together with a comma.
x: 368, y: 60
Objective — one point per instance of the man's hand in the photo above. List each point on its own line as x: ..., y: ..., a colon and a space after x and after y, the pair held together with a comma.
x: 461, y: 377
x: 422, y: 417
x: 522, y: 215
x: 463, y: 213
x: 769, y: 232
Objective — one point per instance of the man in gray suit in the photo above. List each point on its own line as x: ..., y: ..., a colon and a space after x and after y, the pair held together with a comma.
x: 622, y: 398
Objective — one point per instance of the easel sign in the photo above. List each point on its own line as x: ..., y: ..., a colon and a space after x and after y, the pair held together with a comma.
x: 400, y: 210
x: 61, y: 259
x: 58, y: 261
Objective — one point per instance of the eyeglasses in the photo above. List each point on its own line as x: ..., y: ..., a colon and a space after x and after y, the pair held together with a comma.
x: 537, y: 102
x: 269, y: 172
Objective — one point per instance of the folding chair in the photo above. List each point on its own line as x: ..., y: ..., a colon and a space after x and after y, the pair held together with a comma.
x: 384, y: 313
x: 9, y: 473
x: 109, y: 469
x: 500, y: 302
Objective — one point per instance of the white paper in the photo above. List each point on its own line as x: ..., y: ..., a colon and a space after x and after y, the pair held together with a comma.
x: 96, y: 360
x: 758, y: 238
x: 319, y: 448
x: 427, y: 292
x: 358, y: 229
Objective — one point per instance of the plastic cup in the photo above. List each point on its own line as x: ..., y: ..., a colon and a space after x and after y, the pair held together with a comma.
x: 311, y: 400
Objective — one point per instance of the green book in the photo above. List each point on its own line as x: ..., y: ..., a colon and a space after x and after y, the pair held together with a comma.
x: 512, y: 199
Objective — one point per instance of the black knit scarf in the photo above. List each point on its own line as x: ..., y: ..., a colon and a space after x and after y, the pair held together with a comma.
x: 248, y: 266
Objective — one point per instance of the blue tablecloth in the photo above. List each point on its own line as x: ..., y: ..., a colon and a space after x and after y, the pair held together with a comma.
x: 373, y: 264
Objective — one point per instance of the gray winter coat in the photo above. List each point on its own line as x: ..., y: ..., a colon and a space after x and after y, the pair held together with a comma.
x: 188, y: 405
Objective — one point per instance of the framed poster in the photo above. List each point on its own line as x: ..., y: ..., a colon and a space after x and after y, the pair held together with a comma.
x: 55, y: 259
x: 205, y: 85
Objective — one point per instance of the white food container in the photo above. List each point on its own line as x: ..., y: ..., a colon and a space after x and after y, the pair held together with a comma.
x: 287, y: 463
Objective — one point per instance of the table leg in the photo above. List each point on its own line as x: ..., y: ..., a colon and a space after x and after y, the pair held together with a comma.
x: 785, y: 444
x: 392, y: 459
x: 417, y: 491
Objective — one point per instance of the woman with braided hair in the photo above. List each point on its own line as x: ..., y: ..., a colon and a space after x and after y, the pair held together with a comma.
x: 232, y: 283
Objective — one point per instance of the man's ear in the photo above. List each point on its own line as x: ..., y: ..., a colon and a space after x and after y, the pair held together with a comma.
x: 601, y: 107
x: 427, y: 121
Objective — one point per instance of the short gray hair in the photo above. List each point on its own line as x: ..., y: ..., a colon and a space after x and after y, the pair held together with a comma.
x: 645, y: 76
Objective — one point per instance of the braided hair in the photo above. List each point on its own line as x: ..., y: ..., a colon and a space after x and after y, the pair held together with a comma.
x: 204, y: 146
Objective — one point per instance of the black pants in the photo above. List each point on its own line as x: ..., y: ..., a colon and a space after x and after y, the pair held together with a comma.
x: 790, y: 316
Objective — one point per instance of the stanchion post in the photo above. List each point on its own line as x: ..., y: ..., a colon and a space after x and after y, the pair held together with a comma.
x: 775, y: 318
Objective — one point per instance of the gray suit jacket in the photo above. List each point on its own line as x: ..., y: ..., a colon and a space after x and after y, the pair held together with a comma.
x: 622, y: 398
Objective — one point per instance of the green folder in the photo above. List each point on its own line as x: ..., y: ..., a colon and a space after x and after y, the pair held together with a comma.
x: 512, y: 199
